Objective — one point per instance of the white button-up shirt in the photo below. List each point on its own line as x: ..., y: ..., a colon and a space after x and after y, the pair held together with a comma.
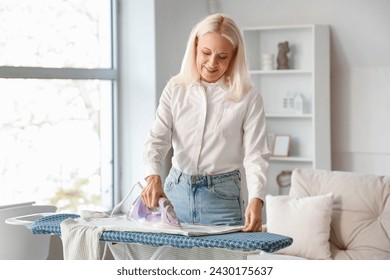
x: 210, y: 134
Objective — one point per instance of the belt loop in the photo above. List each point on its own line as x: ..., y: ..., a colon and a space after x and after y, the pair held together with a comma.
x: 177, y: 179
x: 209, y: 182
x: 177, y: 175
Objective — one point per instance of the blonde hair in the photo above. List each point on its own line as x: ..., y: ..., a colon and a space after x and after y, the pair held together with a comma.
x: 236, y: 77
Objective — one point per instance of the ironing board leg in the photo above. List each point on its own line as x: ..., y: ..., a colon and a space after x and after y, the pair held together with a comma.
x: 160, y: 252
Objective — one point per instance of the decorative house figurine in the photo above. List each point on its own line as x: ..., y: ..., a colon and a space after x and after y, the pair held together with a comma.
x: 298, y: 103
x: 288, y: 103
x: 282, y: 59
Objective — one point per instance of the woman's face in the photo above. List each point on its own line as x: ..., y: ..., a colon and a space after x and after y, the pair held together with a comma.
x: 213, y: 55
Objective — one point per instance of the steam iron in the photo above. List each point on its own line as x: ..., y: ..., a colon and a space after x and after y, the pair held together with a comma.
x: 160, y: 216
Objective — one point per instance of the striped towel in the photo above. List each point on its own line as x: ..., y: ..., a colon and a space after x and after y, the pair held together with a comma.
x: 80, y: 241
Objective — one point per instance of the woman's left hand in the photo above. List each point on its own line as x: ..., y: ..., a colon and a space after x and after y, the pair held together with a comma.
x: 253, y: 216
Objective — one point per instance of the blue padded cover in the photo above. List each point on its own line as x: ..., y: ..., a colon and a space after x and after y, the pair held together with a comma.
x: 245, y: 241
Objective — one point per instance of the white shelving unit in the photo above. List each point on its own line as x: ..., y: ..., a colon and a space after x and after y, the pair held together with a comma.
x: 308, y: 75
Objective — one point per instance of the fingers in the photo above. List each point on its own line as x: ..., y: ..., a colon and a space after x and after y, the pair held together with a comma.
x: 252, y: 224
x: 154, y: 199
x: 253, y: 228
x: 150, y: 197
x: 152, y: 192
x: 253, y: 216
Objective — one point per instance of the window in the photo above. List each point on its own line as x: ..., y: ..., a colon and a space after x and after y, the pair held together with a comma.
x: 58, y: 81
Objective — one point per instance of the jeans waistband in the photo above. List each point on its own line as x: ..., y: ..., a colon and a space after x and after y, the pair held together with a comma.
x: 209, y: 179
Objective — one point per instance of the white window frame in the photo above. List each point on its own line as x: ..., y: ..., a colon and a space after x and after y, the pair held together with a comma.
x: 109, y: 180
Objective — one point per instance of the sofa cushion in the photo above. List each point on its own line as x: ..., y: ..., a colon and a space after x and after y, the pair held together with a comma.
x: 360, y: 226
x: 306, y: 220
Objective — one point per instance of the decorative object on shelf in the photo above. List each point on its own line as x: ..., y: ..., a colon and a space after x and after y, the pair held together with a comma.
x: 298, y: 103
x: 281, y: 147
x: 293, y: 103
x: 284, y: 178
x: 268, y: 61
x: 282, y: 59
x: 288, y: 103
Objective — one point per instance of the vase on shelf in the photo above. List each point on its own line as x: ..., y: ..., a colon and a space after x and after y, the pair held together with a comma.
x: 268, y: 61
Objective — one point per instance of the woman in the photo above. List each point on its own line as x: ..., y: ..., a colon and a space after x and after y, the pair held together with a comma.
x: 214, y: 120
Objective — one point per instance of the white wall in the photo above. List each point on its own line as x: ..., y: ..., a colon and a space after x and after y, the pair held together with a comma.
x: 156, y: 33
x: 174, y: 22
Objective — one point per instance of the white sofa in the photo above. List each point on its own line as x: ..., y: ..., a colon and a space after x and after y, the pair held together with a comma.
x: 332, y: 215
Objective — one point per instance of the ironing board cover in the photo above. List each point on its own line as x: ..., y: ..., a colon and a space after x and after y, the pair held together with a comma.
x: 248, y: 241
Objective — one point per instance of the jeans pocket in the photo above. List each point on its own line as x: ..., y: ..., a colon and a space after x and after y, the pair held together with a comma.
x: 229, y: 190
x: 169, y: 184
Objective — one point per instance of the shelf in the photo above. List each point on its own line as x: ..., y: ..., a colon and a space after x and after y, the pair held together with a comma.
x: 309, y: 76
x: 292, y: 159
x: 280, y: 72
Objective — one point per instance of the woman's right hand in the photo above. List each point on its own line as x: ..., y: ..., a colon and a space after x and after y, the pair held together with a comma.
x: 153, y: 191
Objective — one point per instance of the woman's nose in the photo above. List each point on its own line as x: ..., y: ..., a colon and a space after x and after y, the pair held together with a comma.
x: 212, y: 61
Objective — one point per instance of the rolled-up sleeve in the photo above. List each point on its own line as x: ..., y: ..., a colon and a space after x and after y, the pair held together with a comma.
x: 256, y: 153
x: 159, y: 138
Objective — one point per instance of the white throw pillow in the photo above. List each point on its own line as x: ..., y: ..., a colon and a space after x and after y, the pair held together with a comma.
x: 306, y: 220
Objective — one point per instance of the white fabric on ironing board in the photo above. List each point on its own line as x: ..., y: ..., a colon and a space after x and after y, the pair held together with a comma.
x: 80, y: 240
x: 121, y: 223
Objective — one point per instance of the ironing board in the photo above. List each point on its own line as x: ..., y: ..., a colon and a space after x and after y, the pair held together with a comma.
x: 247, y: 242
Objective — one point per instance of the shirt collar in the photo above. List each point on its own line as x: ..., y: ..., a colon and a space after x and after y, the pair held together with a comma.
x: 219, y: 83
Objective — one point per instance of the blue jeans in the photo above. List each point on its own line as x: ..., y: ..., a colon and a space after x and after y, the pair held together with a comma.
x: 212, y: 200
